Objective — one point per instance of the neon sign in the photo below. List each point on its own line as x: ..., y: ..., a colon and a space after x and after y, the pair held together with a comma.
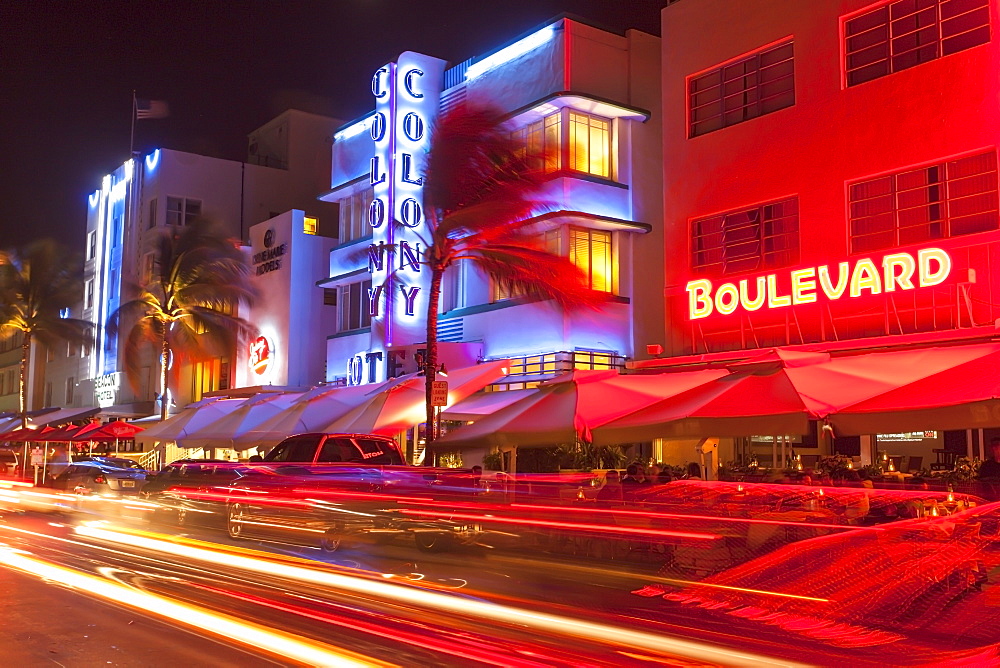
x: 898, y: 271
x: 261, y: 353
x: 406, y: 95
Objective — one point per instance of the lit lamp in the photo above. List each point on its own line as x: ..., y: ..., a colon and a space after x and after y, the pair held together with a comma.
x: 891, y: 467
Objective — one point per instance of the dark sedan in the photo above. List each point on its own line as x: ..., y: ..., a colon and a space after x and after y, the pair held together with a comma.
x: 100, y: 477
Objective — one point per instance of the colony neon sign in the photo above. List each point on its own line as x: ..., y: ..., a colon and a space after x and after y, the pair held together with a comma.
x: 898, y: 271
x: 407, y: 94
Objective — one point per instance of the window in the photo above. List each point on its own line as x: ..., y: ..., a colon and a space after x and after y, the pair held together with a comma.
x: 48, y: 395
x: 309, y: 225
x: 551, y: 240
x: 354, y: 215
x: 902, y: 34
x: 70, y: 386
x: 224, y: 373
x: 329, y: 297
x: 589, y: 144
x: 116, y: 230
x: 90, y: 294
x: 590, y: 250
x: 752, y: 86
x: 761, y: 237
x: 570, y: 140
x: 50, y: 353
x: 91, y: 245
x: 148, y: 263
x: 152, y: 213
x: 3, y: 385
x: 354, y: 306
x: 947, y: 199
x: 181, y: 211
x: 70, y: 349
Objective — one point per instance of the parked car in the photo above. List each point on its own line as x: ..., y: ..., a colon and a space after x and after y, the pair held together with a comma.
x: 190, y: 490
x: 10, y: 462
x: 97, y: 477
x: 323, y: 489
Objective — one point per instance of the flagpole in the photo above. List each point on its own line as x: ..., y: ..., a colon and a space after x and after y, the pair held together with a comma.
x: 131, y: 139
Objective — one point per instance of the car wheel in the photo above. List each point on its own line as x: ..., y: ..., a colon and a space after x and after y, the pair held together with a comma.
x: 431, y: 541
x: 234, y: 520
x: 333, y: 539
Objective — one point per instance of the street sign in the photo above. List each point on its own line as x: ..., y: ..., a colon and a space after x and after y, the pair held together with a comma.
x: 37, y: 457
x: 439, y: 393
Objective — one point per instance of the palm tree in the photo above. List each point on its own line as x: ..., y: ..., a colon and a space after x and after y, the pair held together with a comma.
x: 187, y: 307
x: 38, y: 285
x: 479, y: 196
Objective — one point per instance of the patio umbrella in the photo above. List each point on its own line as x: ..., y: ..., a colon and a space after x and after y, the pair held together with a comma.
x: 115, y: 430
x: 400, y: 404
x: 955, y: 387
x: 309, y: 412
x: 569, y: 408
x: 193, y: 417
x: 259, y: 408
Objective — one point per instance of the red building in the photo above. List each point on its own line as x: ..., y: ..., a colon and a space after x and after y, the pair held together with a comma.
x: 830, y: 173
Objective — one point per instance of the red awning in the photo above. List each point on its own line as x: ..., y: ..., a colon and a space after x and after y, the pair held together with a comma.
x: 112, y: 431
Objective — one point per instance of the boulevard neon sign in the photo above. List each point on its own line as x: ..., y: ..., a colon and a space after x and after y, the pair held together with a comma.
x: 898, y: 271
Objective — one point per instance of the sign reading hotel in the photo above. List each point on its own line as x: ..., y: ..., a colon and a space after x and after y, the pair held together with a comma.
x: 845, y: 280
x: 407, y: 95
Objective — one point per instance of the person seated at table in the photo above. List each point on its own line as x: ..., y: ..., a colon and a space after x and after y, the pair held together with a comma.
x: 653, y: 474
x: 990, y: 469
x: 664, y: 476
x: 634, y: 480
x: 612, y: 489
x: 693, y: 471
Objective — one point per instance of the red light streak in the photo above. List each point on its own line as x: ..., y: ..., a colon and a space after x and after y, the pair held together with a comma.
x: 651, y: 533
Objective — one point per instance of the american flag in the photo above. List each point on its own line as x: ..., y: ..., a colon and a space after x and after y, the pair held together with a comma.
x: 151, y: 109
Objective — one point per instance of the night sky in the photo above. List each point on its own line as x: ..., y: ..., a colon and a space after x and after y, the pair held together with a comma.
x: 225, y: 67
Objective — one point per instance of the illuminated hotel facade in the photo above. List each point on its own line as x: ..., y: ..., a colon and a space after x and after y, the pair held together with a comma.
x: 830, y: 175
x: 165, y: 190
x: 588, y: 95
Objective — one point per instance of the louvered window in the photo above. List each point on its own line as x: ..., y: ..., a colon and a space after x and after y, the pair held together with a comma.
x: 902, y: 34
x: 947, y: 199
x: 760, y: 237
x: 591, y: 251
x: 752, y: 86
x: 355, y: 309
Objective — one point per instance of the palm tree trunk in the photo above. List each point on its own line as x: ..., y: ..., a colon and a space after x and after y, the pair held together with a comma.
x: 430, y: 368
x: 23, y: 385
x: 164, y: 401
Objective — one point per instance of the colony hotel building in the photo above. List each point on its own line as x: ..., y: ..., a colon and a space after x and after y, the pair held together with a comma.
x: 830, y: 174
x: 589, y: 96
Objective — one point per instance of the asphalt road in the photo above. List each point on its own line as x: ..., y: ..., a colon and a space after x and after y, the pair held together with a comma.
x: 83, y: 594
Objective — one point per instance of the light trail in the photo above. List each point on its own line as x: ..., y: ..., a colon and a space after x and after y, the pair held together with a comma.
x: 558, y: 625
x: 274, y: 642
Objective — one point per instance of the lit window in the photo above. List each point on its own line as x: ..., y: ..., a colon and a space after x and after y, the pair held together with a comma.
x: 354, y: 215
x: 182, y: 211
x: 591, y: 251
x: 570, y: 140
x: 551, y: 241
x: 752, y: 239
x: 947, y: 199
x: 751, y: 86
x: 309, y: 225
x: 589, y: 144
x: 902, y: 34
x: 355, y: 310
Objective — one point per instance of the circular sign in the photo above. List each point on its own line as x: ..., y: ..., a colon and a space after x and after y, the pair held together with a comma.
x: 268, y: 238
x: 260, y: 355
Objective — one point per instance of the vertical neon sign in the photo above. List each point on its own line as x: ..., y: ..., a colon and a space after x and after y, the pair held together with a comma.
x: 407, y: 95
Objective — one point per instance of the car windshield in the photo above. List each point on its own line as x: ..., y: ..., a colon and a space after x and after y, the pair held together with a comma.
x: 299, y: 449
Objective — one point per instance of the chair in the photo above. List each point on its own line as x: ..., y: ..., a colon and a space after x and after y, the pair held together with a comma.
x: 913, y: 464
x: 946, y: 460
